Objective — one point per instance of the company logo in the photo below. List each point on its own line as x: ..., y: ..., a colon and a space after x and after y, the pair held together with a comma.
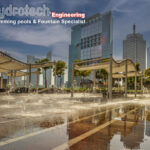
x: 24, y: 11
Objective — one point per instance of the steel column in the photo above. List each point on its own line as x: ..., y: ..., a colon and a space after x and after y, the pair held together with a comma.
x: 72, y: 81
x: 135, y: 83
x: 1, y: 81
x: 126, y: 78
x: 29, y: 84
x: 110, y: 79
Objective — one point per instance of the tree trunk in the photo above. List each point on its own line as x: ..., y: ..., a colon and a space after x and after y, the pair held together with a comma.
x: 37, y: 81
x: 45, y: 79
x: 60, y: 81
x: 82, y: 82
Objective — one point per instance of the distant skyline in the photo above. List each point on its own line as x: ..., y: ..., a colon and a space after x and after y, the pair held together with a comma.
x: 37, y: 40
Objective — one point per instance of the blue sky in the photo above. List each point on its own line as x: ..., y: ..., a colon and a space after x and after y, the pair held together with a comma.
x: 22, y: 40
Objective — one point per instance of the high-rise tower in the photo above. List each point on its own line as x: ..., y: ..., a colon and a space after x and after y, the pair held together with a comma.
x: 134, y: 48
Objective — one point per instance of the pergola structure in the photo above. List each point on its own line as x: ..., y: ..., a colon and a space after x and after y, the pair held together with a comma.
x: 115, y: 69
x: 13, y: 68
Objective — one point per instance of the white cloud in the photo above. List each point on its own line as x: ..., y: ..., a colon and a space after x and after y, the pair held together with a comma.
x: 31, y: 3
x: 135, y: 11
x: 41, y: 35
x: 115, y: 4
x: 75, y: 3
x: 126, y: 13
x: 58, y: 37
x: 40, y: 2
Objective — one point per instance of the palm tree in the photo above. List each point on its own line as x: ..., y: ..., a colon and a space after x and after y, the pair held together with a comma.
x: 132, y: 79
x: 147, y: 74
x: 102, y: 74
x: 81, y: 74
x: 60, y: 69
x: 137, y: 66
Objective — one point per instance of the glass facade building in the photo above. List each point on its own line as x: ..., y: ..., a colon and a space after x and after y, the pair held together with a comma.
x: 91, y: 40
x: 134, y: 48
x: 148, y: 57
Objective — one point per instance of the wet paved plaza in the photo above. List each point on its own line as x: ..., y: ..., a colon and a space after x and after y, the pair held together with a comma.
x: 43, y: 122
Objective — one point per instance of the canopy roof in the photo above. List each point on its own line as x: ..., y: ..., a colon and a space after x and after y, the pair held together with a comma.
x: 122, y: 74
x: 8, y: 64
x: 19, y: 73
x: 118, y: 67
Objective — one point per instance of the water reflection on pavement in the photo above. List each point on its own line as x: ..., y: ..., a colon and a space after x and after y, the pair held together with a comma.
x: 75, y: 125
